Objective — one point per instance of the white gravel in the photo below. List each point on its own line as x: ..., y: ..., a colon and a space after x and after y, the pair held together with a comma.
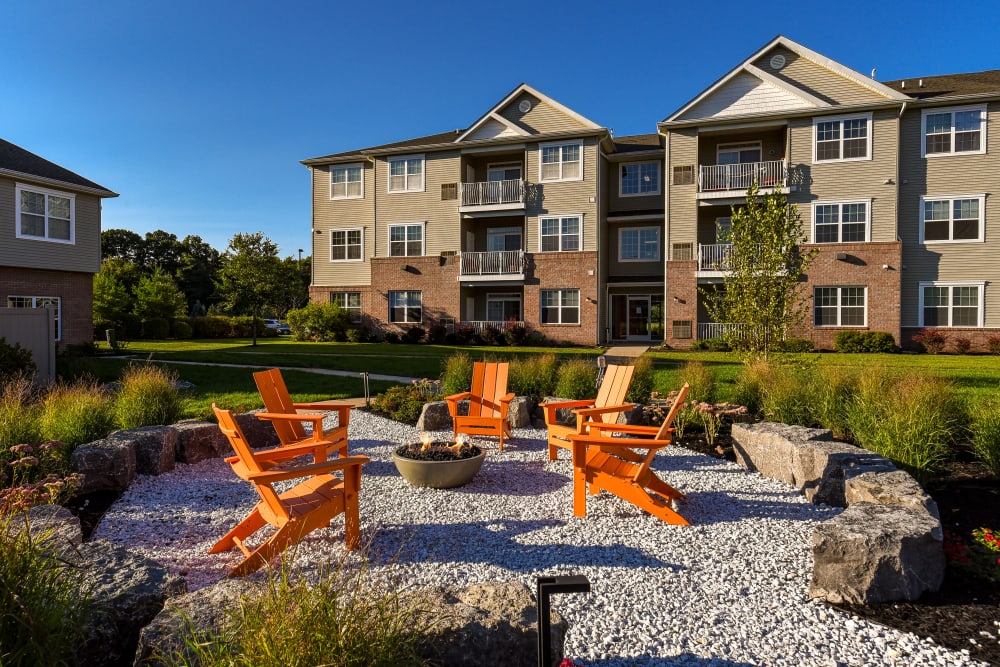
x: 730, y: 590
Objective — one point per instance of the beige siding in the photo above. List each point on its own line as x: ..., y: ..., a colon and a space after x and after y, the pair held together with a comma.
x: 541, y: 118
x: 564, y: 197
x: 745, y: 94
x: 942, y: 176
x: 862, y: 179
x: 619, y: 204
x: 816, y: 79
x: 330, y: 214
x: 681, y: 199
x: 83, y: 255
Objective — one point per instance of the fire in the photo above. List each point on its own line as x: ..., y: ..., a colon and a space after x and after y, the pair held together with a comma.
x: 425, y: 438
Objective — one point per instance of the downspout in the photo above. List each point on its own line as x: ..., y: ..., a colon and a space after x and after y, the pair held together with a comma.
x: 899, y: 184
x: 666, y: 228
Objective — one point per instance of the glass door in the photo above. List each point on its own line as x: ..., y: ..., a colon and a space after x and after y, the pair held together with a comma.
x: 638, y: 318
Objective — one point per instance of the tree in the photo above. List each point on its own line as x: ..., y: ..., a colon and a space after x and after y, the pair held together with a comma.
x: 157, y: 296
x: 198, y: 271
x: 112, y: 298
x: 293, y: 291
x: 761, y: 296
x: 121, y: 244
x: 250, y: 276
x: 161, y: 249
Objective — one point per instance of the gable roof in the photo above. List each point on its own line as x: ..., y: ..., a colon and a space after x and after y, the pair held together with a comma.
x: 18, y: 162
x: 494, y: 113
x: 949, y: 85
x: 441, y: 138
x: 637, y: 142
x: 777, y: 84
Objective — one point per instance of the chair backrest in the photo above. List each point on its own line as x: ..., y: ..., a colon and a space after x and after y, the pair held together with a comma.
x: 665, y: 429
x: 489, y: 385
x: 276, y: 398
x: 614, y: 387
x: 246, y: 462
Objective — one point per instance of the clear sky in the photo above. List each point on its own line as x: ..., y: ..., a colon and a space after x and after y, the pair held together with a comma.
x: 198, y: 112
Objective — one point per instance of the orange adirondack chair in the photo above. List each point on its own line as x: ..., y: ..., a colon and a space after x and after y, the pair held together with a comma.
x: 610, y: 403
x: 308, y: 505
x: 284, y: 416
x: 597, y: 462
x: 488, y: 403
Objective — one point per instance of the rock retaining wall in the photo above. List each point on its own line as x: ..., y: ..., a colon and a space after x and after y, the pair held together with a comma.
x: 887, y: 545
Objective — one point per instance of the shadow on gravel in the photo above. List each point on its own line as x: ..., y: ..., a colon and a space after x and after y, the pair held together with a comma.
x: 710, y: 507
x: 682, y: 659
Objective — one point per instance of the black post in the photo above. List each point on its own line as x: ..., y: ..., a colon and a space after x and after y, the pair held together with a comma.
x: 575, y: 583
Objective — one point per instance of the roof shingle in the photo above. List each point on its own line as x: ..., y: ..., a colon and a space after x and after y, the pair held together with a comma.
x: 15, y: 158
x: 949, y: 84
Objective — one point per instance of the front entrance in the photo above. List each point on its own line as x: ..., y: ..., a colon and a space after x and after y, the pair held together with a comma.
x: 631, y: 316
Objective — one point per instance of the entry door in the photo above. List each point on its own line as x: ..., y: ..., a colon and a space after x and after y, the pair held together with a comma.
x: 638, y: 318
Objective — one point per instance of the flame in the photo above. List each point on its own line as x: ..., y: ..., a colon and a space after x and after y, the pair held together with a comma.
x: 425, y: 438
x: 460, y: 439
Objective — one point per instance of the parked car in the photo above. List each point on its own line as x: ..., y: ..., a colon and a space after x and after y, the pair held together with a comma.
x: 282, y: 327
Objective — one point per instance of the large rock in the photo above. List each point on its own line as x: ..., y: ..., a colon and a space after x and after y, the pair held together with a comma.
x: 877, y: 553
x: 495, y: 620
x: 435, y: 417
x: 895, y: 487
x: 519, y: 412
x: 130, y: 590
x: 104, y: 465
x: 52, y: 526
x: 259, y: 432
x: 155, y: 448
x: 197, y: 441
x: 564, y: 416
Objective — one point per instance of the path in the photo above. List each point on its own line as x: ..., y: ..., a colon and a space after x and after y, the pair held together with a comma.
x: 626, y: 353
x: 318, y: 371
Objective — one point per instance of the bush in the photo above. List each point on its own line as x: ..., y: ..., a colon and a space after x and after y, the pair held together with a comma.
x: 75, y: 414
x: 984, y: 427
x: 414, y: 335
x: 181, y: 330
x: 15, y: 360
x: 932, y: 340
x: 993, y: 344
x: 491, y: 335
x: 359, y: 334
x: 391, y: 337
x: 18, y: 414
x: 456, y: 376
x: 830, y: 390
x: 642, y: 381
x: 711, y: 345
x: 702, y: 381
x: 577, y: 379
x: 436, y: 334
x: 148, y: 397
x: 155, y: 328
x: 462, y: 335
x: 516, y: 334
x: 961, y: 344
x: 864, y: 341
x: 318, y: 321
x: 211, y: 326
x: 796, y: 345
x: 403, y: 403
x: 534, y: 376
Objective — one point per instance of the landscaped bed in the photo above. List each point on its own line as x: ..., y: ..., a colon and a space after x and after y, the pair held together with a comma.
x: 732, y: 586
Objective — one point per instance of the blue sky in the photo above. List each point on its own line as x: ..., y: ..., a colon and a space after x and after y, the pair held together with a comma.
x: 198, y: 113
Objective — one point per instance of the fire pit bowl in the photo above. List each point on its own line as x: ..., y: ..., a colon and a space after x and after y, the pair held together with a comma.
x: 439, y: 465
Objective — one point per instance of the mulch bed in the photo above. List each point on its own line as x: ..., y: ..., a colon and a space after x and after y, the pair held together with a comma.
x: 968, y: 497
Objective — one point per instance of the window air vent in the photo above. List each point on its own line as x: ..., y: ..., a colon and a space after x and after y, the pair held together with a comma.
x: 681, y: 329
x: 682, y: 252
x: 449, y: 191
x: 684, y: 175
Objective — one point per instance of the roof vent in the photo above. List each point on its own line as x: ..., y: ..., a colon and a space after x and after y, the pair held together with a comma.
x: 777, y: 61
x: 920, y: 83
x: 902, y: 84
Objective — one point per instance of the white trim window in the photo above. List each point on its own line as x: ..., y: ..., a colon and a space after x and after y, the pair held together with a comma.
x: 561, y: 162
x: 406, y: 173
x: 639, y: 244
x: 842, y: 138
x: 503, y: 307
x: 349, y: 301
x: 347, y: 245
x: 45, y: 215
x: 406, y: 239
x: 561, y: 233
x: 955, y: 219
x: 639, y: 178
x: 406, y: 306
x: 842, y: 221
x: 951, y: 304
x: 560, y: 306
x: 347, y: 181
x: 840, y: 306
x: 953, y: 131
x: 53, y: 302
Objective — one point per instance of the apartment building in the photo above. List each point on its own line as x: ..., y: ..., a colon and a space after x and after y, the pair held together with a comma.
x: 535, y: 214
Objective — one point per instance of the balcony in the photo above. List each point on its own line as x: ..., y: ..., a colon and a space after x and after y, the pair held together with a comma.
x: 477, y: 326
x: 492, y: 266
x: 714, y: 258
x: 724, y: 181
x: 493, y: 196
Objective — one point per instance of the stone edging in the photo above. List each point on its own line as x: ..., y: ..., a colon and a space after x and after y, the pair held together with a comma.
x: 886, y: 545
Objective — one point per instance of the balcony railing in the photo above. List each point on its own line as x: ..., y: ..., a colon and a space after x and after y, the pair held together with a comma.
x: 727, y: 177
x: 714, y: 257
x: 493, y: 193
x: 708, y: 330
x: 493, y: 263
x: 477, y: 326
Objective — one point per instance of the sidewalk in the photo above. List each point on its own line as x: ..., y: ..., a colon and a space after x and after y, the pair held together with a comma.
x: 625, y: 353
x: 319, y: 371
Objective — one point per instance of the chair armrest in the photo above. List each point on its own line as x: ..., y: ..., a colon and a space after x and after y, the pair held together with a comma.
x: 591, y: 440
x: 631, y: 429
x: 308, y: 470
x: 550, y: 409
x: 292, y: 451
x: 317, y: 421
x: 458, y: 397
x: 343, y: 410
x: 610, y: 408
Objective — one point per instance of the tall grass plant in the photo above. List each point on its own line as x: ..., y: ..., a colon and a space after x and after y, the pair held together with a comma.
x: 148, y: 396
x: 702, y: 380
x: 577, y: 379
x: 19, y: 413
x: 984, y: 430
x: 534, y: 376
x: 76, y: 413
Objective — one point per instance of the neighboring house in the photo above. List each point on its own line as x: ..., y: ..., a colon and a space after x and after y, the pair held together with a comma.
x: 538, y: 215
x: 50, y: 240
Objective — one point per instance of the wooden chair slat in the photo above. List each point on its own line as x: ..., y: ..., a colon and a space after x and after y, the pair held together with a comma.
x: 614, y: 387
x: 489, y: 402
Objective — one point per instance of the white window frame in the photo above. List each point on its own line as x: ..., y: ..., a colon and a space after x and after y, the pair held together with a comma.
x: 560, y: 218
x: 560, y: 308
x: 346, y: 169
x: 355, y: 312
x: 951, y: 218
x: 22, y: 187
x: 981, y: 108
x: 504, y: 166
x: 840, y: 223
x: 638, y: 231
x: 406, y: 174
x: 407, y: 306
x: 560, y: 144
x: 347, y: 245
x: 738, y: 147
x: 867, y: 117
x: 641, y: 192
x: 423, y: 238
x: 34, y: 304
x: 840, y: 306
x: 504, y: 297
x: 981, y: 301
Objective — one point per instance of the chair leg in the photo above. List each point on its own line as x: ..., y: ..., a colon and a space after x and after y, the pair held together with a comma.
x: 245, y: 528
x: 553, y: 452
x: 287, y: 535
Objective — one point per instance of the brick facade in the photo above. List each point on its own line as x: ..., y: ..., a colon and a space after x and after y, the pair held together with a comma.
x: 564, y: 270
x: 74, y: 289
x: 681, y: 303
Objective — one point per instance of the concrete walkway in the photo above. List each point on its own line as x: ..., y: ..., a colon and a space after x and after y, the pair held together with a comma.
x: 625, y: 353
x: 318, y: 371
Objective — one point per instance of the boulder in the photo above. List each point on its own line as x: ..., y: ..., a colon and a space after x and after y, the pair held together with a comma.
x: 877, y: 553
x: 155, y: 448
x: 498, y: 620
x: 104, y: 465
x: 259, y: 432
x: 894, y: 487
x: 519, y: 412
x: 130, y: 590
x: 435, y: 417
x: 53, y: 526
x: 198, y: 440
x: 564, y: 416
